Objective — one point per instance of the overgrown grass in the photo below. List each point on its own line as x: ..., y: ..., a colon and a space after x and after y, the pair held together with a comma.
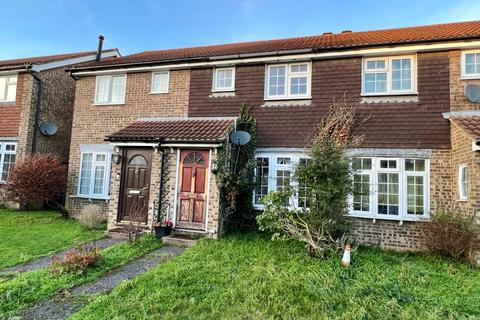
x: 25, y: 236
x: 249, y: 277
x: 33, y: 286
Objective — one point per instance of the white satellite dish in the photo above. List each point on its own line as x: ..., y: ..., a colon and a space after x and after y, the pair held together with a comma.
x: 240, y: 138
x: 472, y: 92
x: 48, y: 129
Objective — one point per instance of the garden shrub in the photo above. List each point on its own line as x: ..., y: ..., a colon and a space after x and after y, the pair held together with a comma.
x: 325, y: 182
x: 40, y: 178
x: 75, y: 261
x: 452, y: 233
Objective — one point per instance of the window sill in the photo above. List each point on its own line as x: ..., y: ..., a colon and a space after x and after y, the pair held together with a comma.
x: 390, y: 99
x: 77, y: 196
x: 222, y: 94
x: 155, y: 93
x: 109, y: 104
x: 287, y: 98
x: 472, y: 77
x: 462, y: 200
x: 8, y: 101
x: 287, y: 103
x: 394, y: 218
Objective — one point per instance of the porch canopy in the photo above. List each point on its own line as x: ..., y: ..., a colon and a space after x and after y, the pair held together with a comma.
x: 175, y: 130
x: 469, y: 124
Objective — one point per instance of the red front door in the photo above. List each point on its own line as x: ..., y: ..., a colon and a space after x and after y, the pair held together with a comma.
x: 193, y: 189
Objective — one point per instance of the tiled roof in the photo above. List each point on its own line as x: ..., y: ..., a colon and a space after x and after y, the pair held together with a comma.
x: 470, y: 125
x: 326, y: 41
x: 18, y: 63
x: 188, y: 130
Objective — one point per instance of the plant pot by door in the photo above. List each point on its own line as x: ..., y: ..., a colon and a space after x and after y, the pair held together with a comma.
x: 162, y: 232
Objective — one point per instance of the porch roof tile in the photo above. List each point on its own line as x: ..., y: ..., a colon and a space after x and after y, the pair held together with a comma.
x: 187, y: 130
x: 471, y: 125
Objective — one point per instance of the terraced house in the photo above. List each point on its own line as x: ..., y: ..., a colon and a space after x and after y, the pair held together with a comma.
x: 36, y: 106
x: 169, y: 110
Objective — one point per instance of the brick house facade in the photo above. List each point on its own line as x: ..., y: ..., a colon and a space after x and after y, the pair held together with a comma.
x: 408, y: 91
x: 35, y: 91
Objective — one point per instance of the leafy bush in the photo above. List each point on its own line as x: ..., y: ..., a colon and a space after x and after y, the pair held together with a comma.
x: 452, y: 233
x: 75, y: 261
x: 37, y: 179
x: 324, y: 181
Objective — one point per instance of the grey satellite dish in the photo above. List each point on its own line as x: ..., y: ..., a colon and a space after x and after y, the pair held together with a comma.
x: 48, y: 129
x: 240, y: 138
x: 472, y: 92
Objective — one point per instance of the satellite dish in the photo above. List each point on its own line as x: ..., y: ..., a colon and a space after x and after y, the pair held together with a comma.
x: 472, y: 92
x: 240, y: 138
x: 48, y: 129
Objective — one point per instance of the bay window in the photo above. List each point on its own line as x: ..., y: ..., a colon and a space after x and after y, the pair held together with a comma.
x: 8, y: 88
x: 390, y: 188
x: 8, y: 152
x: 110, y: 89
x: 94, y: 174
x: 389, y: 75
x: 288, y: 81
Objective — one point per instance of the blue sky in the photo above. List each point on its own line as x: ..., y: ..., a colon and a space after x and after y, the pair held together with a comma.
x: 60, y: 26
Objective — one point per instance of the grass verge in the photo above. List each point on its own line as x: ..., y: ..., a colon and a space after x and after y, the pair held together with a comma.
x: 29, y: 287
x: 25, y: 236
x: 249, y: 277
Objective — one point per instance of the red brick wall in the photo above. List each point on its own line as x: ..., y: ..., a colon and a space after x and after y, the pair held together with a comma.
x: 402, y: 125
x: 10, y: 111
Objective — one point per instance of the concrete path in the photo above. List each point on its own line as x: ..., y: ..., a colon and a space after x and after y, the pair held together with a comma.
x: 45, y: 261
x: 61, y: 307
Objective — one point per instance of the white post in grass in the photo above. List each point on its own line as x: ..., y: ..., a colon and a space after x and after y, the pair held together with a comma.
x: 346, y: 256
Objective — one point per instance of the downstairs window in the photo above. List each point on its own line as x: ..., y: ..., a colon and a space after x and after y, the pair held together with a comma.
x: 8, y: 152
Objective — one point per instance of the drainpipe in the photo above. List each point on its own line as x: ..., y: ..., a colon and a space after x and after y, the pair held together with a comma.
x: 160, y: 193
x: 37, y: 109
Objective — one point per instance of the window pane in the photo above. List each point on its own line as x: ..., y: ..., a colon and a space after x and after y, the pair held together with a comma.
x: 472, y: 63
x: 375, y: 83
x: 8, y: 163
x: 102, y: 89
x: 375, y: 64
x: 388, y: 194
x: 401, y: 74
x: 277, y: 81
x: 99, y: 180
x: 160, y: 82
x: 361, y: 192
x: 3, y: 83
x: 415, y: 190
x: 261, y: 176
x: 298, y: 85
x: 118, y: 89
x: 285, y: 161
x: 86, y: 173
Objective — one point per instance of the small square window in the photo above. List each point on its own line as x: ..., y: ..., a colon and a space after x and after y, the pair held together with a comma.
x: 388, y: 164
x: 224, y: 79
x: 160, y: 82
x: 284, y: 161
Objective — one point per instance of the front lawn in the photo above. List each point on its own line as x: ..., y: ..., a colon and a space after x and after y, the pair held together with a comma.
x: 29, y: 287
x: 249, y: 277
x: 25, y: 236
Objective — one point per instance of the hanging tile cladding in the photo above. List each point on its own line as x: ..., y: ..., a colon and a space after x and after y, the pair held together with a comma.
x: 402, y: 125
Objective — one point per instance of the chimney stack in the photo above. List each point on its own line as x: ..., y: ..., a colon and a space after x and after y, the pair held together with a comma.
x: 99, y: 50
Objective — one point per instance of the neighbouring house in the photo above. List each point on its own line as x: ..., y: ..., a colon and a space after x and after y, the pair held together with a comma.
x: 36, y: 106
x: 421, y: 131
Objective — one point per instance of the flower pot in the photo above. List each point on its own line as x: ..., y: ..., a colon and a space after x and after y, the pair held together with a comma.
x: 162, y: 232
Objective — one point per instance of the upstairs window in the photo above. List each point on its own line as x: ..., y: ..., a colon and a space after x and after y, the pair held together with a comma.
x: 160, y: 81
x: 288, y: 81
x: 224, y: 79
x: 471, y: 64
x: 8, y: 88
x: 389, y: 75
x: 110, y: 89
x: 8, y: 152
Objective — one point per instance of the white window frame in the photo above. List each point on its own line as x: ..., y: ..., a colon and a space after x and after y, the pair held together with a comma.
x: 462, y: 192
x: 110, y: 77
x: 7, y: 78
x: 106, y: 185
x: 272, y: 173
x: 288, y: 75
x: 370, y: 173
x: 402, y: 191
x: 214, y: 81
x: 388, y: 70
x: 152, y: 90
x: 463, y: 66
x: 3, y: 152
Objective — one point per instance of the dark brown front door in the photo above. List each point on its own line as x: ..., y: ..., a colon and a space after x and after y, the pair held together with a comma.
x: 135, y: 185
x: 193, y: 189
